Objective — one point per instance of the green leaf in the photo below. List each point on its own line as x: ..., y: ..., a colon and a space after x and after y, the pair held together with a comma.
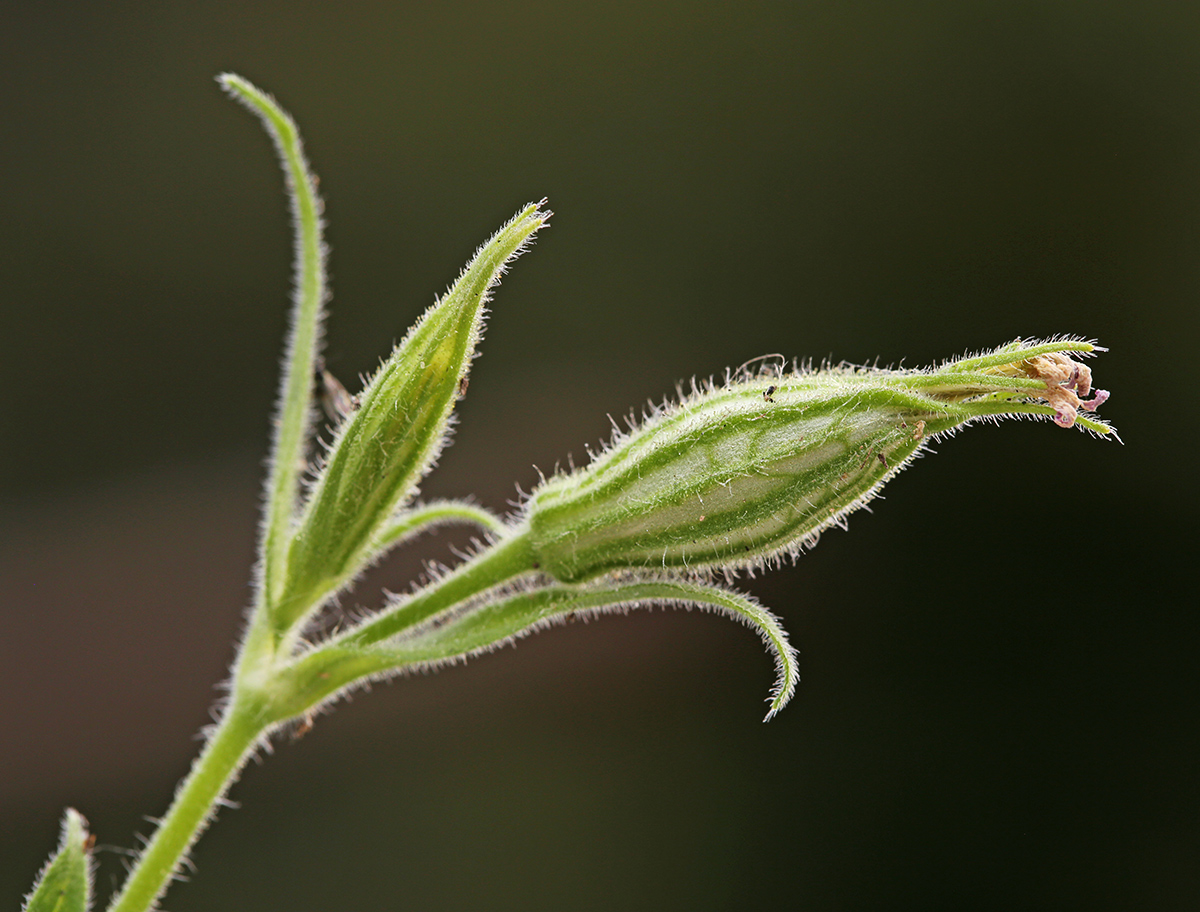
x: 498, y: 618
x: 393, y: 438
x: 294, y: 421
x: 65, y: 884
x: 476, y: 629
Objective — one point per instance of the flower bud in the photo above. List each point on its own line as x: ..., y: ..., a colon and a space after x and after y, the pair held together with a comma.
x: 736, y: 476
x: 388, y: 443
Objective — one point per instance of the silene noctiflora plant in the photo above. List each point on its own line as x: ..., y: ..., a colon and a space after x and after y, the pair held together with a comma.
x: 733, y: 476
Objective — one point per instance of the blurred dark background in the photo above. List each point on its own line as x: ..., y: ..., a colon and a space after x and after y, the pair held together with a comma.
x: 999, y: 699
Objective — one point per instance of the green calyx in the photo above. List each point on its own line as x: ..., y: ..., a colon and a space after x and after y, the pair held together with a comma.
x: 738, y: 476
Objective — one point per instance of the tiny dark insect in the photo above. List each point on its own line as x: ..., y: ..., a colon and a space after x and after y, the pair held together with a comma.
x: 462, y: 386
x: 882, y: 458
x: 769, y: 392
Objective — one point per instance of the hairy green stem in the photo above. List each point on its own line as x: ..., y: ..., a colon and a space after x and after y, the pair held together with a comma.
x: 251, y: 712
x: 342, y: 660
x: 504, y: 561
x: 212, y: 773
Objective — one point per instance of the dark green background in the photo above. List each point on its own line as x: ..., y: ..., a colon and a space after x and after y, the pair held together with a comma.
x: 999, y: 698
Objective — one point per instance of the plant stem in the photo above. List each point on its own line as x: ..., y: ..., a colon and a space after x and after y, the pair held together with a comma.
x: 212, y: 773
x: 248, y: 716
x: 503, y: 561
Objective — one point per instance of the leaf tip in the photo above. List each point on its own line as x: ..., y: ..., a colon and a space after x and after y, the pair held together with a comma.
x: 64, y: 884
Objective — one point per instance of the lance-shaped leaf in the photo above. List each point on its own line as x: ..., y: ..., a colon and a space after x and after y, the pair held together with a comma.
x: 498, y: 617
x: 294, y: 417
x: 392, y: 439
x: 65, y: 884
x: 737, y: 476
